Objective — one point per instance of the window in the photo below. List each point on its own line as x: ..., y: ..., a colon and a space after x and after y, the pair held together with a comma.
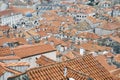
x: 77, y: 15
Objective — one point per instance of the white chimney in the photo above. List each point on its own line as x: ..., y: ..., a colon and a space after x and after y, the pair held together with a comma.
x: 82, y: 51
x: 65, y: 71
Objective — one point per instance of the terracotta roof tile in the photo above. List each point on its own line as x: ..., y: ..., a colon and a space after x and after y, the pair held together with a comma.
x: 93, y: 20
x: 44, y: 61
x: 9, y: 58
x: 116, y: 73
x: 103, y: 60
x: 110, y: 26
x: 4, y: 28
x: 93, y: 47
x: 5, y: 51
x: 6, y: 12
x: 55, y: 40
x: 22, y: 10
x: 15, y: 72
x: 4, y: 40
x: 2, y: 71
x: 4, y: 68
x: 21, y: 40
x: 88, y: 35
x: 68, y: 55
x: 92, y: 67
x: 42, y: 33
x: 87, y: 65
x: 117, y: 38
x: 117, y: 58
x: 15, y: 64
x: 77, y: 75
x: 109, y: 55
x: 26, y: 51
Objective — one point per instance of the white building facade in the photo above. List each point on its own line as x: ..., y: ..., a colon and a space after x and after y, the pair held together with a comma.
x: 11, y: 19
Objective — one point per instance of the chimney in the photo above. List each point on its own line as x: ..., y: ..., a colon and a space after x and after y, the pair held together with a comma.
x: 82, y: 51
x: 65, y: 71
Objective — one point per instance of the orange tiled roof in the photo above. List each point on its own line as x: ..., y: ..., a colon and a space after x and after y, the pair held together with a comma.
x: 44, y: 61
x: 68, y: 55
x: 88, y: 35
x: 12, y: 71
x: 6, y: 12
x: 110, y: 26
x: 103, y: 60
x: 9, y: 58
x: 4, y: 40
x: 117, y: 58
x: 1, y: 71
x: 22, y: 10
x: 117, y: 38
x: 77, y: 75
x: 31, y: 50
x: 17, y: 64
x: 5, y: 51
x: 93, y: 47
x: 116, y: 73
x: 42, y: 33
x: 93, y: 20
x: 21, y: 40
x: 109, y: 55
x: 4, y: 28
x: 87, y: 64
x: 55, y: 40
x: 4, y: 68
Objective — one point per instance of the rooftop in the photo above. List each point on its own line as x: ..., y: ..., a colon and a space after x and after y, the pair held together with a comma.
x: 44, y: 61
x: 87, y: 65
x: 31, y: 50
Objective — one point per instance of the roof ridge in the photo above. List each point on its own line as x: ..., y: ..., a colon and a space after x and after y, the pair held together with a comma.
x: 64, y: 62
x: 79, y: 72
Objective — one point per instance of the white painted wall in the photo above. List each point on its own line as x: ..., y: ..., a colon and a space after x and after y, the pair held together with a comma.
x: 31, y: 60
x: 19, y: 68
x: 11, y: 19
x: 100, y: 31
x: 51, y: 55
x: 9, y: 61
x: 6, y: 75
